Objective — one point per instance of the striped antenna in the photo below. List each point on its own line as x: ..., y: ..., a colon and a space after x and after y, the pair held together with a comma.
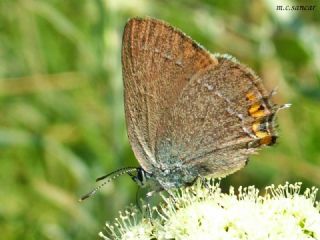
x: 109, y: 177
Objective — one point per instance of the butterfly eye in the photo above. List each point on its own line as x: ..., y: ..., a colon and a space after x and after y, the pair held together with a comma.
x: 141, y: 177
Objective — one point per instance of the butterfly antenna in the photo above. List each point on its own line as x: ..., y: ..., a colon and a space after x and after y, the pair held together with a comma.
x: 109, y: 177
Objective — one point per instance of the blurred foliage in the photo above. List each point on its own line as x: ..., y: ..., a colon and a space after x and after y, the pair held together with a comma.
x: 62, y: 119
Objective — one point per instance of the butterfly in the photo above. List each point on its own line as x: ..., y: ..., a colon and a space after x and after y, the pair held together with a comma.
x: 189, y: 113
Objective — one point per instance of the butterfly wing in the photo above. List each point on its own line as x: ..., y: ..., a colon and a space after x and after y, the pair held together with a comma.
x: 158, y: 62
x: 223, y: 114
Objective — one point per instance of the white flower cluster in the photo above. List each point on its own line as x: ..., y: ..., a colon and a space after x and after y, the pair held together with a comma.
x: 204, y: 212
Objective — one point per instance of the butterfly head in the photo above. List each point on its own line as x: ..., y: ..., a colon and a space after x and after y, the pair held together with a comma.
x: 145, y: 179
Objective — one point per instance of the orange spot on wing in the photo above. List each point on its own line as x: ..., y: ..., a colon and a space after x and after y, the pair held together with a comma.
x: 262, y: 134
x: 253, y: 108
x: 258, y: 114
x: 256, y: 127
x: 251, y: 96
x: 267, y: 140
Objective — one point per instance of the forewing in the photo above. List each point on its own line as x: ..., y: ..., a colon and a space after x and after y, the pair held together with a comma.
x: 158, y: 62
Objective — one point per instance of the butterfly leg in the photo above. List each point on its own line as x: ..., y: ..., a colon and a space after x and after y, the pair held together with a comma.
x: 204, y: 182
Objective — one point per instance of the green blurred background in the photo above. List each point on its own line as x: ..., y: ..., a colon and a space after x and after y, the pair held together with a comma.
x: 61, y: 100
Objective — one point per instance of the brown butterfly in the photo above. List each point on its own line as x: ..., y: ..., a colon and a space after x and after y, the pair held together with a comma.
x: 189, y: 113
